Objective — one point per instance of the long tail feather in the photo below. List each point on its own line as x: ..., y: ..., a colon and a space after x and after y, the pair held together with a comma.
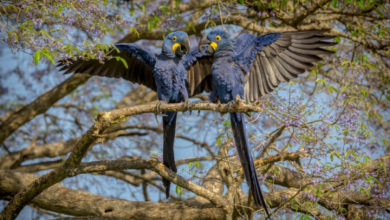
x: 241, y: 141
x: 169, y: 126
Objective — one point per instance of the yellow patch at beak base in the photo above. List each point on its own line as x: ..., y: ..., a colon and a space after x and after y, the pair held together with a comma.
x: 213, y: 45
x: 175, y: 46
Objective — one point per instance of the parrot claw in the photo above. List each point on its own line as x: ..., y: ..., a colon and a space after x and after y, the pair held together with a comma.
x: 157, y: 110
x: 188, y: 105
x: 230, y: 104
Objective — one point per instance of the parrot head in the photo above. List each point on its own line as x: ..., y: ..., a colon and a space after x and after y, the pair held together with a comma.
x: 176, y: 44
x: 215, y: 41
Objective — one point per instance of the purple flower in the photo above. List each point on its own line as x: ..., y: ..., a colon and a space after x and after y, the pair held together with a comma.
x: 37, y: 22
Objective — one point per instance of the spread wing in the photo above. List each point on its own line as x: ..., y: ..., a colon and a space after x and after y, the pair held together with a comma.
x: 277, y: 57
x: 128, y: 62
x: 198, y: 67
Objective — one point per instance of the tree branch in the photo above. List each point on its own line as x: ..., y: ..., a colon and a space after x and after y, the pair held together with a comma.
x: 40, y: 105
x: 104, y: 121
x: 79, y: 203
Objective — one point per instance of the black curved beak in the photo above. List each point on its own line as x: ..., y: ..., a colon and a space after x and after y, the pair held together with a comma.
x: 205, y: 47
x: 184, y: 47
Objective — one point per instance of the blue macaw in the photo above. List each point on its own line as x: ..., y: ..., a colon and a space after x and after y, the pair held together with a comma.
x: 174, y: 74
x: 253, y: 66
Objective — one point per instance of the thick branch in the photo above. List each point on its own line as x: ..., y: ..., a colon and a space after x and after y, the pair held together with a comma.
x: 104, y: 121
x: 79, y: 203
x: 152, y: 164
x: 36, y: 151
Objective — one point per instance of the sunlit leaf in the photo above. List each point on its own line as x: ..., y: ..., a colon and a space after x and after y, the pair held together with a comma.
x: 334, y: 3
x: 37, y: 57
x: 124, y: 62
x: 179, y: 190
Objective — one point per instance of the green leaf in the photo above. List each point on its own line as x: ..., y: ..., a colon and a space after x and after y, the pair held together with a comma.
x: 305, y: 217
x: 120, y: 118
x: 336, y: 153
x: 43, y: 32
x: 164, y: 9
x: 179, y: 190
x: 345, y: 63
x: 48, y: 55
x: 366, y: 159
x: 156, y: 20
x: 321, y: 81
x: 361, y: 4
x: 118, y: 58
x: 59, y: 9
x: 334, y: 3
x: 149, y: 26
x: 337, y: 39
x: 318, y: 190
x: 332, y: 89
x: 364, y: 92
x: 132, y: 11
x: 364, y: 191
x: 133, y: 29
x: 189, y: 164
x: 210, y: 23
x: 37, y: 57
x: 219, y: 142
x: 227, y: 123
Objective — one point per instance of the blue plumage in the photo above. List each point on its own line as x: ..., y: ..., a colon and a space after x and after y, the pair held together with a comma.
x: 247, y: 46
x: 171, y: 79
x: 170, y: 75
x: 228, y: 79
x: 253, y: 66
x: 166, y: 73
x: 142, y: 55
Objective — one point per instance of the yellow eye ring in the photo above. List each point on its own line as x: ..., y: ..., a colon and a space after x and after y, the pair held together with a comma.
x: 218, y: 38
x: 174, y: 38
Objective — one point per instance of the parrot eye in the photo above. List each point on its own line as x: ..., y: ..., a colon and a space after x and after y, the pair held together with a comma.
x: 218, y: 38
x: 174, y: 38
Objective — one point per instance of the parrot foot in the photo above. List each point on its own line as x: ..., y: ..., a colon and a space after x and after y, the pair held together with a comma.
x: 231, y: 104
x: 238, y: 101
x: 157, y: 110
x: 188, y: 104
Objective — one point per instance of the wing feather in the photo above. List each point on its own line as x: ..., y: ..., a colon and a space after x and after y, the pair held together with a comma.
x: 198, y: 67
x: 272, y: 72
x: 140, y: 64
x: 277, y: 58
x: 295, y: 63
x: 254, y: 83
x: 266, y: 82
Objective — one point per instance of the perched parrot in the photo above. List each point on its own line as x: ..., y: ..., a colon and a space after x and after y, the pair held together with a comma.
x: 253, y: 66
x: 174, y: 74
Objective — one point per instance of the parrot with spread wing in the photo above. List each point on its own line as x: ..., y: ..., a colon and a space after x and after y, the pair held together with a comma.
x: 251, y: 67
x: 175, y: 74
